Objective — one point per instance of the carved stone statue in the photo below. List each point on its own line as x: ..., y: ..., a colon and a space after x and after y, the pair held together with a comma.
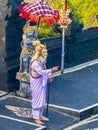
x: 27, y: 50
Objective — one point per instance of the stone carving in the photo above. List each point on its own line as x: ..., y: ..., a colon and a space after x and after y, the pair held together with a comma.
x: 29, y: 37
x: 28, y: 50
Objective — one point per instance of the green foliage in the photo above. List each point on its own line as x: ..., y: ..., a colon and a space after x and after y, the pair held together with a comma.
x: 46, y: 30
x: 83, y: 11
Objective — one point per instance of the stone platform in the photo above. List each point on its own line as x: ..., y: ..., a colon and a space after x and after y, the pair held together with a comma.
x: 16, y: 111
x: 76, y: 91
x: 13, y: 114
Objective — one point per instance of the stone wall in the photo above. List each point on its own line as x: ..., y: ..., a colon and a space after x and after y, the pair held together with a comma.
x: 13, y: 32
x: 3, y: 72
x: 79, y: 48
x: 85, y: 48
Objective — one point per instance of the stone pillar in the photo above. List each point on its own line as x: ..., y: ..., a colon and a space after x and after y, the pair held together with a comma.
x: 3, y: 69
x: 13, y: 37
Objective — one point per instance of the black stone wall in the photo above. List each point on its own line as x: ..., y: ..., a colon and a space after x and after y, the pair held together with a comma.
x: 86, y: 46
x: 80, y: 47
x: 3, y: 72
x: 13, y: 36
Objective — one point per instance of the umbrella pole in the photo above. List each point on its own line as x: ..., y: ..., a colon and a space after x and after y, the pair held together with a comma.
x: 63, y: 53
x: 38, y: 22
x: 48, y: 94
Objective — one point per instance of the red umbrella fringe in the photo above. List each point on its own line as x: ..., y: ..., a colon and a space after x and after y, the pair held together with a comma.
x: 35, y: 19
x: 48, y: 20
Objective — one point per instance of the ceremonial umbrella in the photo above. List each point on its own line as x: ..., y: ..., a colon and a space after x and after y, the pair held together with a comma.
x: 39, y: 11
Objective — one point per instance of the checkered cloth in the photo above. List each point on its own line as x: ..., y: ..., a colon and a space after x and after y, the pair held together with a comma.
x: 38, y: 9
